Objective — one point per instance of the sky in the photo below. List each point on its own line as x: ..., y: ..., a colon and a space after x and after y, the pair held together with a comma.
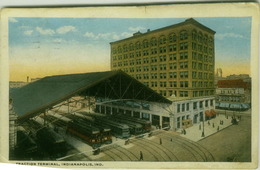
x: 40, y: 47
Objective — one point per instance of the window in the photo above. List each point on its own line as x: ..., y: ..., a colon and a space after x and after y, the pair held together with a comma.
x: 183, y: 56
x: 194, y: 55
x: 184, y: 46
x: 201, y: 104
x: 163, y: 58
x: 172, y: 47
x: 194, y: 75
x: 194, y: 84
x: 183, y: 93
x: 206, y: 103
x: 153, y: 67
x: 183, y: 107
x: 154, y: 51
x: 137, y: 45
x: 172, y: 38
x: 163, y: 75
x: 162, y: 66
x: 194, y: 35
x: 173, y: 66
x: 183, y: 65
x: 195, y: 105
x: 184, y: 74
x: 172, y: 75
x: 173, y: 84
x: 178, y: 108
x: 183, y: 83
x: 172, y: 56
x: 183, y: 35
x: 187, y: 106
x: 153, y: 42
x: 145, y: 44
x: 162, y: 49
x: 162, y: 39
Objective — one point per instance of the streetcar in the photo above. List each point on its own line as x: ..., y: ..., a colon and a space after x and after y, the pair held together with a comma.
x: 146, y: 125
x: 135, y: 128
x: 119, y: 130
x: 87, y: 133
x: 105, y: 130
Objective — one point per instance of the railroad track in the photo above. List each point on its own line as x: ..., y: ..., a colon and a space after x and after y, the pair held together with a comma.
x: 161, y: 148
x: 199, y: 153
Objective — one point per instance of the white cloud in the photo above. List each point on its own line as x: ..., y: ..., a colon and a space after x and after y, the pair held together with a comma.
x: 126, y: 34
x: 45, y: 31
x: 136, y: 28
x: 28, y: 32
x: 228, y: 35
x: 66, y: 29
x: 107, y: 36
x: 89, y: 35
x: 12, y: 20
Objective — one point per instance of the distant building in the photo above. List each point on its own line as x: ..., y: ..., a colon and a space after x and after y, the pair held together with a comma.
x: 231, y: 93
x: 35, y: 79
x: 17, y: 84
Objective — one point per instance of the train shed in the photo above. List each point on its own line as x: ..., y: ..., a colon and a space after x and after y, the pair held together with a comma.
x: 43, y: 95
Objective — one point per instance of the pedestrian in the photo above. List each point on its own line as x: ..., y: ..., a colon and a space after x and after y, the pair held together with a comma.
x: 213, y: 125
x: 218, y: 128
x: 141, y: 156
x: 160, y: 141
x: 171, y: 139
x: 200, y: 127
x: 208, y: 123
x: 184, y: 132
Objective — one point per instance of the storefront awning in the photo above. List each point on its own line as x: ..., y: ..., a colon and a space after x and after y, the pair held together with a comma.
x: 207, y: 113
x: 212, y: 112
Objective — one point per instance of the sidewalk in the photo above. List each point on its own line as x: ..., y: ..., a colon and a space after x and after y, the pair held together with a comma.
x: 194, y: 132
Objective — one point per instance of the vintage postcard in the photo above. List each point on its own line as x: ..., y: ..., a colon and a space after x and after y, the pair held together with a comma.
x: 142, y: 87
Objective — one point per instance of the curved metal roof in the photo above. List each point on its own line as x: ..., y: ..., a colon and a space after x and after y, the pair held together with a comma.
x: 38, y: 96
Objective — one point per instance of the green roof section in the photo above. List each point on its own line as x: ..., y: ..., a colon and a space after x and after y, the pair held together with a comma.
x: 38, y: 96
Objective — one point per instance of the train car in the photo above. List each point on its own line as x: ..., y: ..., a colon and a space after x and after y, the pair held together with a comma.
x: 119, y: 130
x: 146, y: 125
x: 105, y: 130
x: 135, y: 128
x: 27, y: 148
x: 88, y: 133
x: 52, y: 142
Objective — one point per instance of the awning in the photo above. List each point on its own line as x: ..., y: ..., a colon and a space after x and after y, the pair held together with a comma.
x: 225, y: 105
x: 235, y: 106
x: 212, y: 112
x: 207, y: 113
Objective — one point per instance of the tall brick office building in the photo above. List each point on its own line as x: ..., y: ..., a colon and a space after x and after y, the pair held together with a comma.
x: 175, y: 60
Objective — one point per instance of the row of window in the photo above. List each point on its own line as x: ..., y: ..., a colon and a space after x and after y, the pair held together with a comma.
x: 169, y: 57
x: 183, y: 74
x: 163, y: 49
x: 195, y: 105
x: 174, y: 83
x: 172, y: 38
x: 167, y: 93
x: 169, y: 66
